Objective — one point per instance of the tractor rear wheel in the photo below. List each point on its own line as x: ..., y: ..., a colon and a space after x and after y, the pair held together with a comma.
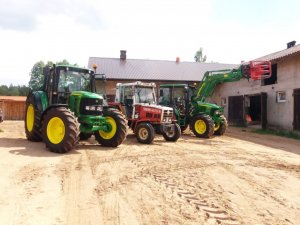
x: 202, y: 126
x: 117, y: 133
x: 173, y: 135
x: 145, y: 133
x: 32, y: 121
x: 60, y: 130
x: 220, y: 128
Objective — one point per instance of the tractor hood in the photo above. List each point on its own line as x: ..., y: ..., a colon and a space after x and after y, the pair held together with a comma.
x: 86, y: 94
x: 209, y: 105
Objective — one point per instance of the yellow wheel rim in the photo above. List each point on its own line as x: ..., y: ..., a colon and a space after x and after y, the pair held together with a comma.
x: 217, y: 126
x: 30, y: 118
x: 112, y: 132
x: 200, y: 126
x: 56, y: 130
x: 143, y: 133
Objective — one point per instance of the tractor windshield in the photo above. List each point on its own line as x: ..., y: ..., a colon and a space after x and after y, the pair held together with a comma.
x: 171, y: 95
x: 144, y: 95
x: 70, y: 81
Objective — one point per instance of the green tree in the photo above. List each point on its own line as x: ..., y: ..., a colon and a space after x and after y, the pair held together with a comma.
x: 36, y: 76
x: 199, y: 56
x: 13, y: 90
x: 23, y: 90
x: 66, y: 62
x: 4, y: 90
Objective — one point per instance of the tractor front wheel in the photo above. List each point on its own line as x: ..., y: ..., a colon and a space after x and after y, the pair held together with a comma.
x: 221, y: 127
x: 117, y: 133
x: 174, y: 134
x: 144, y: 133
x: 202, y: 126
x: 60, y: 130
x: 32, y: 121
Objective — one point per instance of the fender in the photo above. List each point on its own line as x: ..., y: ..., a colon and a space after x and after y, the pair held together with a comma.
x: 40, y: 100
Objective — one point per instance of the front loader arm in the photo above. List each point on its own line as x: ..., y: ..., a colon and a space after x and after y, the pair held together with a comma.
x: 255, y: 69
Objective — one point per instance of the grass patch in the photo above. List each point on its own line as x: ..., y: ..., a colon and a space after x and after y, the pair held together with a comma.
x: 288, y: 134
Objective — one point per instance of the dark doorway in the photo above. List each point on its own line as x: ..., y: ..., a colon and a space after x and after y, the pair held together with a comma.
x: 236, y: 110
x: 255, y: 109
x: 296, y: 109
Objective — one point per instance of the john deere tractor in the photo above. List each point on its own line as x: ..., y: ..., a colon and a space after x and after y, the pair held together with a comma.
x: 67, y: 109
x: 189, y: 103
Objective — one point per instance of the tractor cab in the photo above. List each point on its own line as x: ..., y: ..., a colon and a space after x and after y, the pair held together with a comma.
x: 61, y: 81
x: 137, y: 93
x: 177, y: 96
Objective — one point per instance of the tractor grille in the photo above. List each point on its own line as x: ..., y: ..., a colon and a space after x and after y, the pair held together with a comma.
x: 97, y: 103
x: 167, y: 115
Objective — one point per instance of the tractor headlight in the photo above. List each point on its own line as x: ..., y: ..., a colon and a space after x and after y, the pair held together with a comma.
x: 218, y: 112
x: 93, y: 108
x: 99, y: 108
x: 136, y: 115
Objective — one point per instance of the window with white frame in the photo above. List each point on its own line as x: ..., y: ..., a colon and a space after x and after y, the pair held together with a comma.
x: 281, y: 96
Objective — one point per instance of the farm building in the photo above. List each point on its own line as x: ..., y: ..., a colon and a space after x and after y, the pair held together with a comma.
x: 13, y: 107
x: 274, y: 102
x: 123, y: 70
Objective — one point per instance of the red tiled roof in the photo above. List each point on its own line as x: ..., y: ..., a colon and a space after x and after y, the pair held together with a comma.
x: 142, y: 69
x: 282, y: 54
x: 13, y: 98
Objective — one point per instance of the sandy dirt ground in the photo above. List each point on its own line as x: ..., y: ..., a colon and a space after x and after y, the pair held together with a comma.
x: 239, y: 178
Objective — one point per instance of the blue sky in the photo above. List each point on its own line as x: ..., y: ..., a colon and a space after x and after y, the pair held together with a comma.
x: 229, y: 31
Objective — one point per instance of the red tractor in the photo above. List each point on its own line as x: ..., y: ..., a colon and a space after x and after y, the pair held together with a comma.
x: 137, y: 101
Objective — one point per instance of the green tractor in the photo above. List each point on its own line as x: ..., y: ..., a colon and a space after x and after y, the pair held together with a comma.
x: 189, y: 103
x: 67, y: 109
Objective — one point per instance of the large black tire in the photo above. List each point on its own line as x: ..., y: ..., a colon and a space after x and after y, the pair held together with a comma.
x: 202, y: 126
x: 60, y: 130
x: 144, y: 133
x: 118, y: 133
x: 84, y: 136
x: 221, y: 128
x: 173, y: 136
x: 32, y: 120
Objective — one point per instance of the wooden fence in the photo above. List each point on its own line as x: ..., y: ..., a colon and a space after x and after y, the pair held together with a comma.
x: 12, y: 110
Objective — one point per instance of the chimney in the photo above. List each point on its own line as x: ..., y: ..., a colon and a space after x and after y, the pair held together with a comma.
x: 177, y: 59
x: 122, y: 54
x: 291, y: 44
